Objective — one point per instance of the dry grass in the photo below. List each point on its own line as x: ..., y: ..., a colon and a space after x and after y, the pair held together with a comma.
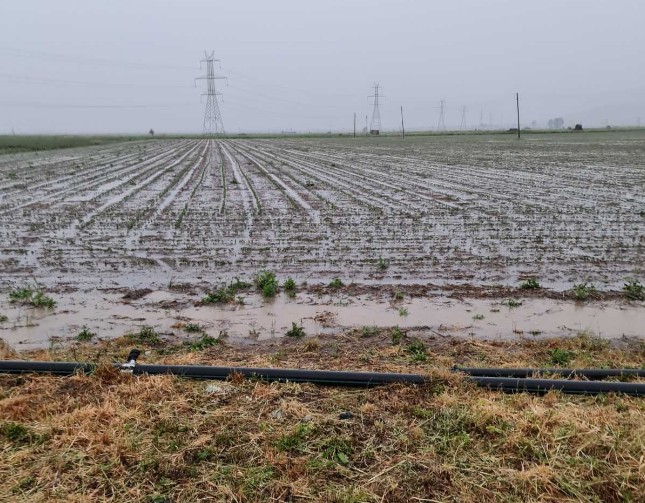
x: 115, y: 437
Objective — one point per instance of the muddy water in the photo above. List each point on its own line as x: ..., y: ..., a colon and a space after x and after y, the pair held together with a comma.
x: 108, y: 315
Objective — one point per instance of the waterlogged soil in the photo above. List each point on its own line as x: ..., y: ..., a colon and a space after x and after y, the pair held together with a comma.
x: 484, y: 210
x: 252, y: 319
x: 456, y: 223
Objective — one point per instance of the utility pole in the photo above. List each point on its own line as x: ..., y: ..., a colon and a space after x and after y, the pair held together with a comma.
x: 213, y: 124
x: 375, y: 125
x: 402, y: 125
x: 517, y: 99
x: 354, y: 124
x: 463, y: 124
x: 441, y: 126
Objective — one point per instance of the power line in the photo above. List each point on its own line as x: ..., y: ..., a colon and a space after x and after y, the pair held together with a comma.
x: 49, y: 105
x: 62, y: 58
x: 212, y: 116
x: 24, y: 79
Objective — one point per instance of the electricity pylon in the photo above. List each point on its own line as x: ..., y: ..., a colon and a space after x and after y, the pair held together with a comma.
x: 463, y: 124
x: 375, y: 125
x: 213, y: 124
x: 441, y: 126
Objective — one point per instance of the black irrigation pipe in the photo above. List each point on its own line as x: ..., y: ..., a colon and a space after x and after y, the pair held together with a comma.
x: 335, y: 378
x: 593, y: 374
x: 54, y: 368
x: 518, y: 385
x: 327, y: 377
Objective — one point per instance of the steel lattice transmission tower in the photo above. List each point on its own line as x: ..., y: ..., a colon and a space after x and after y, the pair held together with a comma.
x: 213, y: 124
x: 375, y: 124
x: 463, y: 124
x: 441, y: 126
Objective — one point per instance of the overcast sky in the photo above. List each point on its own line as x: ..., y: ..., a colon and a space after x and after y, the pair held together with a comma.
x: 98, y: 66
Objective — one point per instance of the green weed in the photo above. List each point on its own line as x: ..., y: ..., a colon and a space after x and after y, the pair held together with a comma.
x: 289, y: 286
x: 561, y: 357
x: 227, y: 293
x: 266, y: 282
x: 295, y: 330
x: 85, y: 334
x: 369, y: 331
x: 583, y: 291
x: 530, y: 284
x: 336, y: 283
x: 417, y: 351
x: 396, y: 335
x: 34, y: 298
x: 633, y: 290
x: 296, y: 440
x: 145, y: 335
x: 192, y: 328
x: 383, y: 264
x: 205, y: 341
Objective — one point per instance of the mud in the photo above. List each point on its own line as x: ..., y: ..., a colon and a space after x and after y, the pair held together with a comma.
x: 466, y: 219
x: 109, y: 315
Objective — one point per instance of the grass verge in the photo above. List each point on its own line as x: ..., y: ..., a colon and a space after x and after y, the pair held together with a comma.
x: 111, y: 436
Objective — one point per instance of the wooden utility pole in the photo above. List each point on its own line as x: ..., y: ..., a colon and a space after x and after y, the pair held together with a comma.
x: 402, y: 125
x: 517, y: 99
x: 354, y: 124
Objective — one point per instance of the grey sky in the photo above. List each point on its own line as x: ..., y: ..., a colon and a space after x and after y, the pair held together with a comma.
x: 306, y: 65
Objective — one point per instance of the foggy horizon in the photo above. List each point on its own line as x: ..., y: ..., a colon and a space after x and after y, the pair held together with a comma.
x: 125, y: 67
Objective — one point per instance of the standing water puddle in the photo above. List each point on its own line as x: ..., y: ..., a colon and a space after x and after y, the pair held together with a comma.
x: 108, y: 315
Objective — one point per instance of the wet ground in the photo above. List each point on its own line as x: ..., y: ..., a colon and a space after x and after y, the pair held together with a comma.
x: 466, y: 217
x: 112, y: 314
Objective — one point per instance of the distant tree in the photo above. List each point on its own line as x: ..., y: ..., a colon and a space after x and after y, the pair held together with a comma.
x: 152, y: 132
x: 578, y: 127
x: 556, y: 123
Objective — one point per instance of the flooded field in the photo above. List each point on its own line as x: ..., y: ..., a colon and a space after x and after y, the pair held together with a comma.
x: 109, y: 315
x: 469, y: 210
